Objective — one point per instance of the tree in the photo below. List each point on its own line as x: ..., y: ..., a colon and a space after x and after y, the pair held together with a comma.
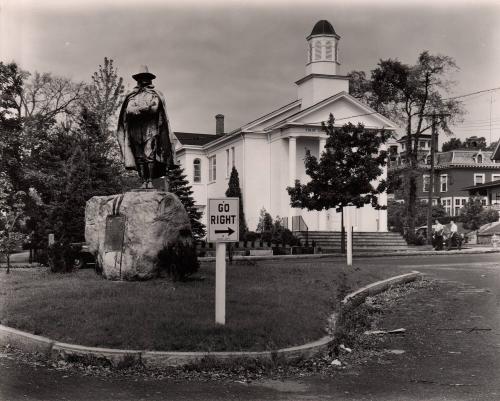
x: 265, y: 221
x: 11, y: 144
x: 234, y: 191
x: 474, y: 215
x: 104, y: 95
x: 346, y: 171
x: 396, y: 215
x: 68, y: 171
x: 179, y: 185
x: 11, y: 212
x: 453, y: 143
x: 409, y: 95
x: 475, y: 142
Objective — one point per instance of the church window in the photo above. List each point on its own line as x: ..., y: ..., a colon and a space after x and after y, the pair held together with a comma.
x: 329, y: 50
x: 212, y: 168
x: 336, y: 51
x: 310, y: 52
x: 197, y: 170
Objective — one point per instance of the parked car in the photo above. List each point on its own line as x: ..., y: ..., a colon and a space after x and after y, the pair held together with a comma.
x: 85, y: 258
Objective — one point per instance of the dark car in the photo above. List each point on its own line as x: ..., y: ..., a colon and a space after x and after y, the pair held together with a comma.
x: 85, y: 258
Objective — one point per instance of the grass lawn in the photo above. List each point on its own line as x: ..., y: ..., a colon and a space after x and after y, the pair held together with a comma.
x: 270, y: 305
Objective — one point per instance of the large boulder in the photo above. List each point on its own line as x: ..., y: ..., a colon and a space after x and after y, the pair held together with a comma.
x: 126, y: 232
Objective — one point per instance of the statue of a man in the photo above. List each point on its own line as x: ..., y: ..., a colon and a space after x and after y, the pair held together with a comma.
x: 144, y: 135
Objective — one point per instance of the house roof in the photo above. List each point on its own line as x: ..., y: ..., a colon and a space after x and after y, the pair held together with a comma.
x: 496, y: 153
x: 491, y: 184
x: 421, y: 136
x: 465, y: 158
x: 192, y: 138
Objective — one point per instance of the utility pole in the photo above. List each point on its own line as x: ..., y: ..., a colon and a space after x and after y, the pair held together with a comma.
x: 434, y: 140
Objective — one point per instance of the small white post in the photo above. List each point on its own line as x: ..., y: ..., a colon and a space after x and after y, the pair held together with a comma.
x: 220, y: 283
x: 348, y: 223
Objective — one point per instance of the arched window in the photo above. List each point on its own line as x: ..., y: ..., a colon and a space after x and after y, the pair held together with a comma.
x: 197, y: 170
x: 479, y: 158
x: 329, y: 50
x: 428, y: 160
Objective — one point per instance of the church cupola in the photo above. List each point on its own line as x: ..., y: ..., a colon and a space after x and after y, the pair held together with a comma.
x: 322, y: 78
x: 323, y: 44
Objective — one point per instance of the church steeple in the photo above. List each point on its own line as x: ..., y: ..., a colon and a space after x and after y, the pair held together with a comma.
x: 323, y: 44
x: 322, y: 78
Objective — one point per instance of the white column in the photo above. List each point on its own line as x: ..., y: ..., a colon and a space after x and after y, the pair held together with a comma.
x: 292, y: 172
x: 348, y: 215
x: 322, y: 218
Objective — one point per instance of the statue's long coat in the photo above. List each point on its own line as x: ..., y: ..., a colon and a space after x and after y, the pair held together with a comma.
x: 167, y: 138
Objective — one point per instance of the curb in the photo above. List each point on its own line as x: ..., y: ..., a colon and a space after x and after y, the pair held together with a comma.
x: 357, y: 297
x: 362, y: 255
x: 56, y: 350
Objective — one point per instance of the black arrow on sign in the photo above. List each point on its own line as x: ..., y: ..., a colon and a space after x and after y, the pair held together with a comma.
x: 229, y: 231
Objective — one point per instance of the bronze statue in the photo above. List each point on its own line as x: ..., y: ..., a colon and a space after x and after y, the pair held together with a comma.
x: 144, y: 135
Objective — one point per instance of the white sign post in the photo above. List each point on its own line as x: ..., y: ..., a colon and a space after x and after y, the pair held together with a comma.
x: 223, y: 226
x: 348, y: 218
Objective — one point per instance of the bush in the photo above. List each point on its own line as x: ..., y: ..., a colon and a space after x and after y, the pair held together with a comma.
x: 251, y: 236
x: 474, y: 215
x: 396, y: 214
x: 267, y: 236
x: 61, y: 257
x: 288, y: 238
x: 178, y: 261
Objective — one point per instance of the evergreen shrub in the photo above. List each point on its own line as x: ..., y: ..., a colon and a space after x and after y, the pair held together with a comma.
x: 178, y: 261
x: 61, y: 257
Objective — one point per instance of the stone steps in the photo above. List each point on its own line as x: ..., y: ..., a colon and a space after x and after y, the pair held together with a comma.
x: 362, y: 241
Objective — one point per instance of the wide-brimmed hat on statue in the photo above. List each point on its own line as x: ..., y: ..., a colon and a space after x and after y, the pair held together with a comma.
x: 143, y: 73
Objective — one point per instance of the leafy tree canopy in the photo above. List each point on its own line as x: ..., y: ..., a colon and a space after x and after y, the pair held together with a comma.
x: 409, y: 95
x: 345, y: 171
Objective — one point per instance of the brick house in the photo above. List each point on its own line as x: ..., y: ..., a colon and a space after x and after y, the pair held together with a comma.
x: 455, y: 172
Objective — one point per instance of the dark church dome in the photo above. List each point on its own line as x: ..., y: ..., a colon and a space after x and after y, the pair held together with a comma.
x: 323, y: 27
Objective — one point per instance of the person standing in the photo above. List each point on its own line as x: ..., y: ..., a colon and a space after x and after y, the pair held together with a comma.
x: 438, y: 236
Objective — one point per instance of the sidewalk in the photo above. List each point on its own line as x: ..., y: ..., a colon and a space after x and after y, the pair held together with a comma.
x: 468, y: 250
x: 369, y: 254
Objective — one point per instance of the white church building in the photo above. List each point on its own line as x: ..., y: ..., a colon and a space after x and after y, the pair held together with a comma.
x: 269, y: 152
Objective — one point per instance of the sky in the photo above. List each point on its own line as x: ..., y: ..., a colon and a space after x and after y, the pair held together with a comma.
x: 241, y: 58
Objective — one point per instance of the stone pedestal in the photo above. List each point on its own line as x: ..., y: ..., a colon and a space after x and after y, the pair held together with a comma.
x: 127, y: 231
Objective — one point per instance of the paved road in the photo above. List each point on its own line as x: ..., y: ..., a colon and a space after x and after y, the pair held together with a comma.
x: 452, y: 352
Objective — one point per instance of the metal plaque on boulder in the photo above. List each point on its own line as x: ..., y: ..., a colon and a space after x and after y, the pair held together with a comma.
x: 113, y: 236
